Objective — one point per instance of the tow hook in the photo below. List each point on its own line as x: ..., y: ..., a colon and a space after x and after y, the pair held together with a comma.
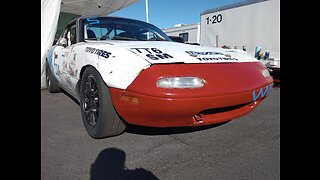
x: 198, y: 119
x: 252, y: 104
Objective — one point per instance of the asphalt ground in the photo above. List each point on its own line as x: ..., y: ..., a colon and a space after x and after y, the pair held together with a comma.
x: 245, y: 148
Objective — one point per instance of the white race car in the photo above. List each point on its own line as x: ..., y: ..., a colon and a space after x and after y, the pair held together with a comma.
x: 128, y: 71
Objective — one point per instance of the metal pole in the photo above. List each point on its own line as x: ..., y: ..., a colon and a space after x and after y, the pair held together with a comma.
x: 147, y: 17
x: 147, y: 11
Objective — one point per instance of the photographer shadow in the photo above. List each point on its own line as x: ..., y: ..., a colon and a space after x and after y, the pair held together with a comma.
x: 110, y: 164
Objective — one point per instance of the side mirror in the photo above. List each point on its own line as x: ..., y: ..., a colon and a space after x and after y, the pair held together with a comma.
x: 62, y: 42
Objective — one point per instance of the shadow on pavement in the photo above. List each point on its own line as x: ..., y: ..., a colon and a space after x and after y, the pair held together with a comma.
x: 110, y: 164
x: 167, y: 131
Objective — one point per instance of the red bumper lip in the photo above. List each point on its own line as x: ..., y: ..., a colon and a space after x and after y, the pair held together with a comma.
x: 168, y: 112
x: 224, y: 97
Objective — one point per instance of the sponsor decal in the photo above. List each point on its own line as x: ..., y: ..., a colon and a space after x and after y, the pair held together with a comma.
x: 261, y: 93
x: 92, y: 20
x: 98, y: 52
x: 71, y: 70
x: 225, y: 57
x: 218, y: 58
x: 195, y: 54
x: 152, y: 53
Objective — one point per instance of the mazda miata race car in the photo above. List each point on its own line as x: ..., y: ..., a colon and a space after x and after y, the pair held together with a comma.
x: 125, y: 71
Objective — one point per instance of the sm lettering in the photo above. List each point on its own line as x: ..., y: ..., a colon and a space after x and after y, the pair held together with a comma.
x: 158, y: 56
x: 261, y: 93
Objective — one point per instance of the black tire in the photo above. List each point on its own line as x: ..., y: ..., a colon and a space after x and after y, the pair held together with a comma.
x: 98, y: 114
x: 51, y: 82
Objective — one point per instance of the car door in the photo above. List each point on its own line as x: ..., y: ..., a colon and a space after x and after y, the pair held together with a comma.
x: 66, y: 59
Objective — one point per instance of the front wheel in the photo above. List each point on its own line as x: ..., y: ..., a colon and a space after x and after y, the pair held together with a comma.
x: 98, y: 114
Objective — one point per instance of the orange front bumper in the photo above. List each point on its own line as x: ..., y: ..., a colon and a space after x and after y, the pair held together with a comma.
x: 167, y: 112
x: 227, y: 94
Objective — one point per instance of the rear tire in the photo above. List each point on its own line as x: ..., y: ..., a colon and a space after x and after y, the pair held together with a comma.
x: 98, y: 114
x: 51, y: 82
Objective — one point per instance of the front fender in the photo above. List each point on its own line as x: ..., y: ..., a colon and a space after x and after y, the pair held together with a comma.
x: 117, y: 66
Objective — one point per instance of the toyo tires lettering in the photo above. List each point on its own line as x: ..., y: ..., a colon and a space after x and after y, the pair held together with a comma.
x: 98, y: 52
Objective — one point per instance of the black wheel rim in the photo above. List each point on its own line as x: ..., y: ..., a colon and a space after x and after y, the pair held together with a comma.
x: 90, y: 103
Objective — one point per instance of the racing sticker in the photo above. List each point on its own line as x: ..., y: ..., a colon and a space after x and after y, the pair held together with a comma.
x: 261, y: 93
x: 211, y: 56
x: 152, y: 53
x: 71, y: 70
x: 98, y: 52
x: 92, y: 20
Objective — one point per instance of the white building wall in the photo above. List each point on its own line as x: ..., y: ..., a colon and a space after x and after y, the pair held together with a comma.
x: 251, y: 25
x: 192, y: 30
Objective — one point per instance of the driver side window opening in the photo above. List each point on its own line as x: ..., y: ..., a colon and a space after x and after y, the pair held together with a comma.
x: 71, y: 35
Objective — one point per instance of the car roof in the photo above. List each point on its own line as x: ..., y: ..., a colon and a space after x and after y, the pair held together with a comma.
x: 111, y: 17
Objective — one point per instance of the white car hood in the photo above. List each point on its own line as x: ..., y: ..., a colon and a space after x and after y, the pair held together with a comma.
x: 172, y: 52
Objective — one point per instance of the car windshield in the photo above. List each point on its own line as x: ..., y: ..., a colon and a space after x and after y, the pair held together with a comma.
x: 109, y: 28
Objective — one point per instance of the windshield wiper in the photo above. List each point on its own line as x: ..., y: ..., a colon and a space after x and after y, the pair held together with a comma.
x: 123, y: 38
x: 91, y: 39
x: 158, y: 39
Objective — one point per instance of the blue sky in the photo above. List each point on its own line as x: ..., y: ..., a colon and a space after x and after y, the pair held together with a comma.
x: 167, y: 13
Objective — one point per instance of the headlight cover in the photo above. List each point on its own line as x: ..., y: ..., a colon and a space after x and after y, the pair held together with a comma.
x: 265, y: 73
x: 180, y: 82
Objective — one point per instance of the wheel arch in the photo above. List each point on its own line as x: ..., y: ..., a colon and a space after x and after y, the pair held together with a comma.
x: 80, y: 78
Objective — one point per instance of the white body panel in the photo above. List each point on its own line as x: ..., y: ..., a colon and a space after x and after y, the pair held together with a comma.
x: 120, y: 62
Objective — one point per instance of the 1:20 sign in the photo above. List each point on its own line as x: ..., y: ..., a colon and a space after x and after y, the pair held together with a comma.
x: 214, y: 19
